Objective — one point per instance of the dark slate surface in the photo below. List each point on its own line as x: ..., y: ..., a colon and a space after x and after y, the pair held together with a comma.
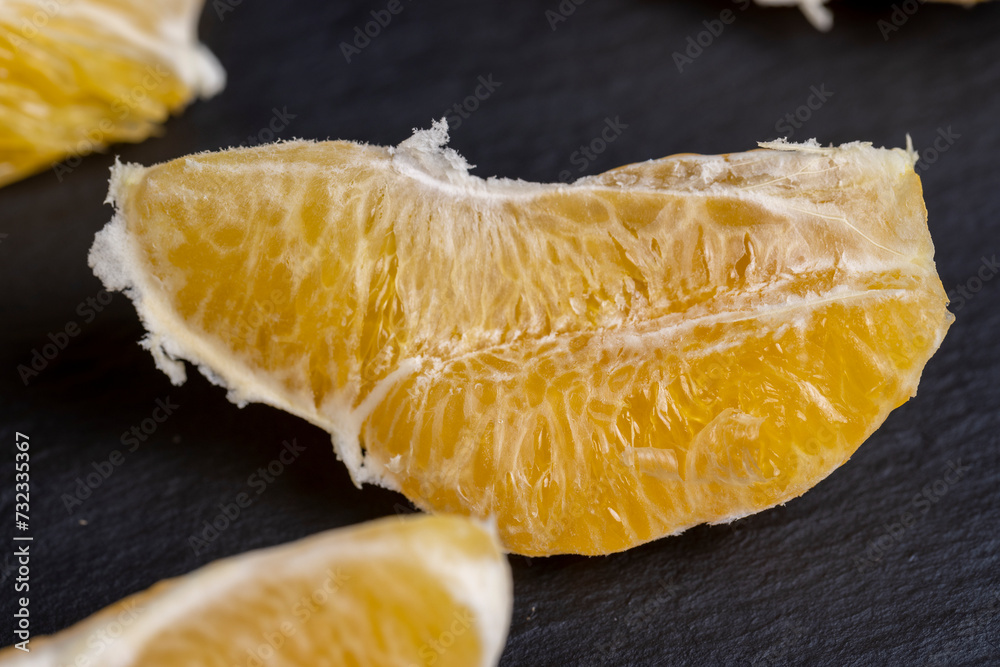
x: 828, y: 579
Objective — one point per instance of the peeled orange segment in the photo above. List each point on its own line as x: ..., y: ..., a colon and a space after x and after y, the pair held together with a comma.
x: 416, y: 591
x: 81, y: 74
x: 600, y: 364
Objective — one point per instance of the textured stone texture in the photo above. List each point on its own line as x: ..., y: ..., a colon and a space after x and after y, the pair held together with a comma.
x: 827, y: 579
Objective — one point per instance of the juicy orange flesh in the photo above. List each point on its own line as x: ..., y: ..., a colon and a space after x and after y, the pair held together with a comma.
x: 598, y: 365
x: 359, y: 613
x: 71, y: 87
x: 388, y: 592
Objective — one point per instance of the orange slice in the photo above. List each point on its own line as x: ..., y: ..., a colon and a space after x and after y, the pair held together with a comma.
x: 415, y: 591
x: 600, y: 364
x: 78, y: 75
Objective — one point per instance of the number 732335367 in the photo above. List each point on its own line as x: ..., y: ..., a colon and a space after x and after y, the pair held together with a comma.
x: 21, y: 483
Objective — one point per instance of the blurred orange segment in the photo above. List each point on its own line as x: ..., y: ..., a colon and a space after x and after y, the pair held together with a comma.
x: 81, y: 74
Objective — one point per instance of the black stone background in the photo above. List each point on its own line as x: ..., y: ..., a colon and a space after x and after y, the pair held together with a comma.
x: 826, y: 579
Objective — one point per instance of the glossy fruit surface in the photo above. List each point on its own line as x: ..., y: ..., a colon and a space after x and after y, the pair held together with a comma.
x: 597, y: 365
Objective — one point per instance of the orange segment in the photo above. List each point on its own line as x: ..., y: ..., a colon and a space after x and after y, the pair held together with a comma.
x: 81, y: 74
x: 414, y: 591
x: 680, y: 341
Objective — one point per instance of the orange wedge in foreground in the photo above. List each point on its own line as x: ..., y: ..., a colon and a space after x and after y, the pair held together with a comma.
x: 394, y: 592
x: 596, y: 365
x: 77, y: 75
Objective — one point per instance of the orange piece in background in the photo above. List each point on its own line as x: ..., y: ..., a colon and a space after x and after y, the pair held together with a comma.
x: 81, y: 74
